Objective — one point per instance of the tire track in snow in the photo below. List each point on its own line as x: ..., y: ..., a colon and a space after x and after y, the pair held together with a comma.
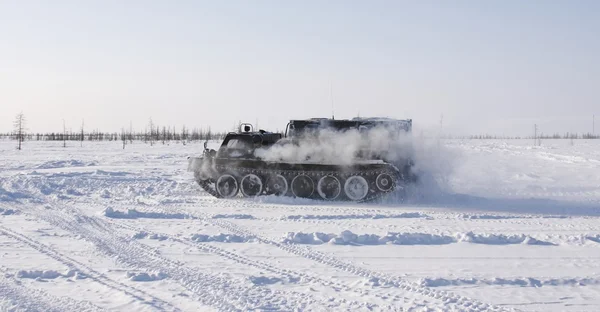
x: 289, y: 206
x: 341, y: 216
x: 345, y: 217
x: 15, y: 297
x: 223, y: 293
x: 96, y: 276
x: 228, y: 294
x: 414, y: 303
x: 290, y: 274
x: 461, y: 303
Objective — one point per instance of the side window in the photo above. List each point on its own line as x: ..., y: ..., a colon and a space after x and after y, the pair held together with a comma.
x: 237, y: 144
x: 232, y: 143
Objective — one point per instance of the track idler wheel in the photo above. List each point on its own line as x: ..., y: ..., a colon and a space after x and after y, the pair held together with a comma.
x: 384, y: 182
x: 356, y: 188
x: 303, y: 186
x: 227, y: 186
x: 329, y: 187
x: 251, y: 185
x: 277, y: 185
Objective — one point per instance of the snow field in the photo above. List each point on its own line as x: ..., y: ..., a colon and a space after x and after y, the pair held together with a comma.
x: 508, y: 227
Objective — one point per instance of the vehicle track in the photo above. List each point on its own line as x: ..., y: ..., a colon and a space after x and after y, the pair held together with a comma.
x: 460, y: 303
x: 290, y: 274
x: 27, y: 299
x: 220, y: 292
x: 464, y: 222
x: 96, y: 276
x: 443, y: 299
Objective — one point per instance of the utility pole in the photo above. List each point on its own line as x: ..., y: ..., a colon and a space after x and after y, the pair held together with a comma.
x: 64, y: 134
x: 535, y: 129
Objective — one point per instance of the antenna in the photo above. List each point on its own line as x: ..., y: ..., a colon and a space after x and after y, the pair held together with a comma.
x: 331, y: 96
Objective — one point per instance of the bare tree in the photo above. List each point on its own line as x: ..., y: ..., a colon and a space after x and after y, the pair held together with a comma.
x: 123, y: 137
x: 20, y: 128
x: 184, y: 135
x: 151, y: 126
x: 130, y: 132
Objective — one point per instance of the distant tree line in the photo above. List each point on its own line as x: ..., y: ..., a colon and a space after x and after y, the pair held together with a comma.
x: 165, y: 135
x: 152, y: 135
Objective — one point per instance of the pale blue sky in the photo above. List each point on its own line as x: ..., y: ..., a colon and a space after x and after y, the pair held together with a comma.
x: 487, y: 66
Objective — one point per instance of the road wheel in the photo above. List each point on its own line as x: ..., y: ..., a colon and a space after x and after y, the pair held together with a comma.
x: 227, y: 186
x: 329, y: 187
x: 356, y: 188
x: 303, y: 186
x: 277, y: 184
x: 251, y: 185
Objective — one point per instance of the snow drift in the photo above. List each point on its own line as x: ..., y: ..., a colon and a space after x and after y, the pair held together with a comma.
x: 349, y: 238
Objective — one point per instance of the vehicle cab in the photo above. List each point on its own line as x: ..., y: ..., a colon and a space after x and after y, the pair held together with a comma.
x: 242, y: 144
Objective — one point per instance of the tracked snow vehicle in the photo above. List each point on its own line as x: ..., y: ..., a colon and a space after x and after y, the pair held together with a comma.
x: 239, y: 166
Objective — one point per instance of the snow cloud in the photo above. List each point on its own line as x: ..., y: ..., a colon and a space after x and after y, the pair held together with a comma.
x: 341, y: 147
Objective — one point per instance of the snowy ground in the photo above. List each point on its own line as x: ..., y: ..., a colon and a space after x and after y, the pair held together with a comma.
x: 102, y: 228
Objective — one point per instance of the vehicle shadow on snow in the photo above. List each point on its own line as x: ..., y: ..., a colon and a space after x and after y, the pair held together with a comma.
x: 430, y: 195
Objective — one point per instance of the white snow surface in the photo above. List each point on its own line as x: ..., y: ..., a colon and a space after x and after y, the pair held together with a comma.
x: 495, y: 226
